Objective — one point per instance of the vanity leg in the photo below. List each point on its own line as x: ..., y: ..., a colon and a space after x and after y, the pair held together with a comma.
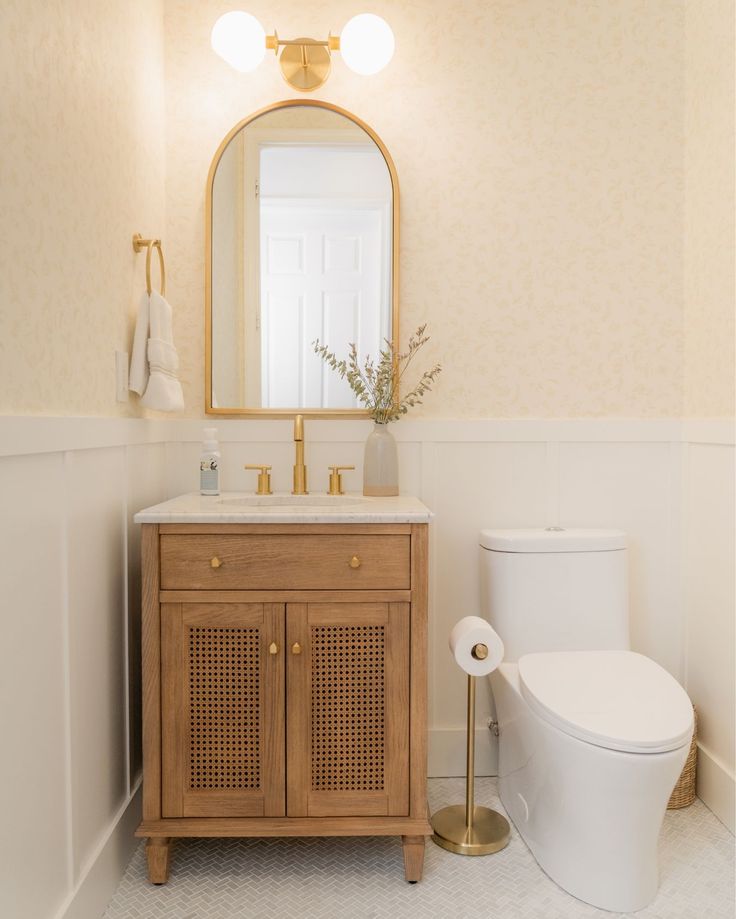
x: 158, y: 853
x: 413, y: 857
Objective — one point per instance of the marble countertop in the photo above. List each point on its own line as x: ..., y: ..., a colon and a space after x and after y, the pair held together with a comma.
x: 243, y: 507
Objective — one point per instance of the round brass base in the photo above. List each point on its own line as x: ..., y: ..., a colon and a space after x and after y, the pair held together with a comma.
x: 490, y: 831
x: 305, y: 67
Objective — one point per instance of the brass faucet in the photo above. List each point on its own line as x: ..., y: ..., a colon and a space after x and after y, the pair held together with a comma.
x: 300, y: 470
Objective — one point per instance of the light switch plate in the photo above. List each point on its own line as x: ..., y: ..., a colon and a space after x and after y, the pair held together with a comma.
x: 121, y: 376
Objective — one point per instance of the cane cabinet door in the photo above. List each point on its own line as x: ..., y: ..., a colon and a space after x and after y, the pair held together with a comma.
x: 347, y: 713
x: 222, y: 702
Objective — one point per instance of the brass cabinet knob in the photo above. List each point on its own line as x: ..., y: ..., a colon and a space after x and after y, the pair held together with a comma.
x: 273, y: 648
x: 296, y: 648
x: 215, y: 562
x: 354, y: 562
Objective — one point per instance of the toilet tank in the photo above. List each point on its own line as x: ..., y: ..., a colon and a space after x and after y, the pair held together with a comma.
x: 555, y: 589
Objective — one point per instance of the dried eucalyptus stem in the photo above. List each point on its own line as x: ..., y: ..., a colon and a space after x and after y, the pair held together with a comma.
x: 378, y: 384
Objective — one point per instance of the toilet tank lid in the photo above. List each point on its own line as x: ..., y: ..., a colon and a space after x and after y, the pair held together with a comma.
x: 552, y: 539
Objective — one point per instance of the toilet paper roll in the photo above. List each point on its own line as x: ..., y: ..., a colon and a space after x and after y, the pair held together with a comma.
x: 469, y: 632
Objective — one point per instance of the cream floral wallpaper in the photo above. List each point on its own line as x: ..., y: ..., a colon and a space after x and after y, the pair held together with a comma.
x: 539, y: 151
x: 82, y: 153
x: 709, y: 321
x: 546, y: 183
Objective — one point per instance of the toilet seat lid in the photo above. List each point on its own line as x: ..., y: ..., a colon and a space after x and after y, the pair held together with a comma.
x: 614, y: 699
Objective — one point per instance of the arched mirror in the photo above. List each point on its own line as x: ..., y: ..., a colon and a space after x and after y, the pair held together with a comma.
x: 301, y: 244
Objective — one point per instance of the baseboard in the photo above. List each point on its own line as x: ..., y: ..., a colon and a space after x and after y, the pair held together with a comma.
x: 447, y: 752
x: 103, y: 873
x: 716, y: 787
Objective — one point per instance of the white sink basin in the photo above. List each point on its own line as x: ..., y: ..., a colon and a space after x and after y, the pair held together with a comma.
x: 292, y: 501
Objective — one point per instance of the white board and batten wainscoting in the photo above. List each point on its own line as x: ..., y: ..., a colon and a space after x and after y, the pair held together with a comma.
x: 71, y: 578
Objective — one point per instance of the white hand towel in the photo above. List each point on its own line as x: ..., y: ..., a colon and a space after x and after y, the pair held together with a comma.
x: 138, y: 379
x: 154, y: 362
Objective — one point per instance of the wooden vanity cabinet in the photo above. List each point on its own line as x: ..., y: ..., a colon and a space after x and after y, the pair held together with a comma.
x: 284, y: 683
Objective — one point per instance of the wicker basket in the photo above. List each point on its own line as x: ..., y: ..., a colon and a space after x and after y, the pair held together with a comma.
x: 684, y: 792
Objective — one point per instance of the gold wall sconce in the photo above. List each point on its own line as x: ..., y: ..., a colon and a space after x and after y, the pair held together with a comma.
x: 366, y: 44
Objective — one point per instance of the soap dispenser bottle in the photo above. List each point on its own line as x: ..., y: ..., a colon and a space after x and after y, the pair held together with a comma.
x: 209, y: 464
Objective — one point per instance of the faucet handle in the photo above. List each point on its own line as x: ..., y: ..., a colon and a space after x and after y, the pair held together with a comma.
x: 336, y: 479
x: 264, y: 479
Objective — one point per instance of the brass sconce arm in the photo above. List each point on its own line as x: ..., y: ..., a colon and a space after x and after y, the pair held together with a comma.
x: 273, y: 42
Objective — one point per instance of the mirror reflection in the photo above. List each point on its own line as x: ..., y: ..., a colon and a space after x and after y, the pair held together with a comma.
x: 301, y: 249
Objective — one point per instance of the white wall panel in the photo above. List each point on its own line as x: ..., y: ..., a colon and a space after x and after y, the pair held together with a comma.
x: 709, y: 552
x: 67, y: 827
x: 34, y: 766
x: 96, y: 506
x: 182, y: 467
x: 633, y: 487
x: 146, y: 485
x: 476, y: 486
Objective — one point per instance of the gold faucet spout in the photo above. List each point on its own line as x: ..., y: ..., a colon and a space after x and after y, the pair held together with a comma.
x: 300, y: 470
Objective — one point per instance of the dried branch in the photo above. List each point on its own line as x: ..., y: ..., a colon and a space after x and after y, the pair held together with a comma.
x: 377, y: 384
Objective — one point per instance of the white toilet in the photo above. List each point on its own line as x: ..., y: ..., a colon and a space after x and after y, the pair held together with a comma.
x: 592, y: 736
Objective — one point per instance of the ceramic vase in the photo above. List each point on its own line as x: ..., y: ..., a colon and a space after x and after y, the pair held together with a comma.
x: 380, y: 463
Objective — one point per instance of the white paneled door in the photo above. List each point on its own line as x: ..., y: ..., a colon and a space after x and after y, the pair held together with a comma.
x: 322, y: 274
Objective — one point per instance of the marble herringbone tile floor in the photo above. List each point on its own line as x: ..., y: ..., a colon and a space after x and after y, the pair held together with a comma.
x: 363, y: 878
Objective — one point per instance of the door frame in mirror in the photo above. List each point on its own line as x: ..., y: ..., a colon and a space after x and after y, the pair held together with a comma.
x: 281, y: 412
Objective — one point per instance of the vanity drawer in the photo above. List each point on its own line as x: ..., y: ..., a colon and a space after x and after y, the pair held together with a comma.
x: 285, y: 562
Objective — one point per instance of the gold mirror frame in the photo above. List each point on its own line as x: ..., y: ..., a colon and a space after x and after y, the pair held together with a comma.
x: 281, y: 412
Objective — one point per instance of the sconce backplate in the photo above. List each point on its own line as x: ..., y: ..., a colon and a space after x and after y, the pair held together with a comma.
x: 305, y: 66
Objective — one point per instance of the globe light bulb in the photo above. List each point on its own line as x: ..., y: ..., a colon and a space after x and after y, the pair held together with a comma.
x: 367, y: 44
x: 240, y: 40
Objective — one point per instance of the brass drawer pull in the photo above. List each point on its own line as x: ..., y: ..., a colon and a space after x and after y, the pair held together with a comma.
x: 273, y: 648
x: 296, y: 648
x: 215, y: 562
x: 354, y: 562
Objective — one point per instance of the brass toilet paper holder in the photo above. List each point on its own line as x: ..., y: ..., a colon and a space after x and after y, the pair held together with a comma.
x: 467, y: 829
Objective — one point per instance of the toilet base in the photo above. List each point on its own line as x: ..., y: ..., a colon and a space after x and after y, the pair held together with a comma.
x: 590, y: 816
x: 489, y: 833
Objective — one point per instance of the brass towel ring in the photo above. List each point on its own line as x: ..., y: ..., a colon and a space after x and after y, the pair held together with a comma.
x: 149, y: 244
